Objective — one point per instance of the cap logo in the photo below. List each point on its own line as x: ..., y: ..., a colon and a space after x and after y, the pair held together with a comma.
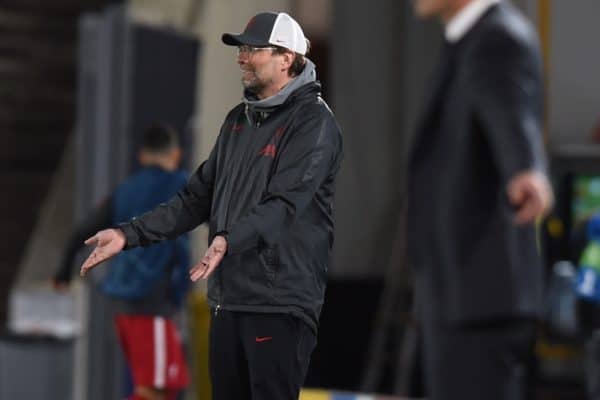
x: 250, y: 23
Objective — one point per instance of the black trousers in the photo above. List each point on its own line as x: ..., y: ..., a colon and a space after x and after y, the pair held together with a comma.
x: 490, y: 361
x: 255, y: 356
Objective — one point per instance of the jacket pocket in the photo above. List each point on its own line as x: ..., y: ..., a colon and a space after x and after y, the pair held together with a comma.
x: 269, y: 259
x: 269, y: 255
x: 248, y: 279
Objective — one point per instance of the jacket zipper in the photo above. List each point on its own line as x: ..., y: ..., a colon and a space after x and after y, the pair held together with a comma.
x: 218, y: 306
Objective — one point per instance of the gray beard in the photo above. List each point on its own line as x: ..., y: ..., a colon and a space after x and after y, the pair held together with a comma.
x: 253, y: 86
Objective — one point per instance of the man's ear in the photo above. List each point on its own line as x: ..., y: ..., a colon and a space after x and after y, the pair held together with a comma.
x: 176, y: 155
x: 287, y: 59
x: 142, y: 157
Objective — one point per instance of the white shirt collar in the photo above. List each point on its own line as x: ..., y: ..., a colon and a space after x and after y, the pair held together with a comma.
x: 464, y: 20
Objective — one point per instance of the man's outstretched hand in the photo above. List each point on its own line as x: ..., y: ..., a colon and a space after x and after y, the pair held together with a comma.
x: 108, y: 243
x: 212, y: 258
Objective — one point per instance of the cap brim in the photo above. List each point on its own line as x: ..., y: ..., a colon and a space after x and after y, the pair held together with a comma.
x: 231, y: 39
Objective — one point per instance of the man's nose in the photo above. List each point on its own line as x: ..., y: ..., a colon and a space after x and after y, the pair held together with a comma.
x: 242, y: 58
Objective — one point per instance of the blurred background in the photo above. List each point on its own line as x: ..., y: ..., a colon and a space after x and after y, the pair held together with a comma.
x: 81, y: 79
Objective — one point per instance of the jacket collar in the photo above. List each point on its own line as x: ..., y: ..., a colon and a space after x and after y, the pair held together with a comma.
x: 465, y: 19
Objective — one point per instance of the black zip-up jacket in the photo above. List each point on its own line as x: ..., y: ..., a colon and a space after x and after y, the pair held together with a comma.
x: 268, y: 186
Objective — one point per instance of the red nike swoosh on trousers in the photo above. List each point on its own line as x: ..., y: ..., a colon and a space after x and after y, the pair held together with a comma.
x: 263, y: 339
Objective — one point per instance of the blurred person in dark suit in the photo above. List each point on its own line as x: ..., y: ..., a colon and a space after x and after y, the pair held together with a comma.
x: 477, y: 184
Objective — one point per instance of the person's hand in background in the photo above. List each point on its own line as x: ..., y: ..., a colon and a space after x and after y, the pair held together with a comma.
x: 531, y: 195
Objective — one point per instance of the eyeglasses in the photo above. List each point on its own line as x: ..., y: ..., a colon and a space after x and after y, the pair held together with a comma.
x: 249, y: 50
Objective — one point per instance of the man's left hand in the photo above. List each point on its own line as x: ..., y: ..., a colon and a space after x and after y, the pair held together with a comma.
x: 531, y: 194
x: 211, y: 260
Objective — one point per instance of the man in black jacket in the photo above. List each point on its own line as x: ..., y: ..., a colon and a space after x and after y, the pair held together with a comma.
x: 477, y: 183
x: 266, y: 192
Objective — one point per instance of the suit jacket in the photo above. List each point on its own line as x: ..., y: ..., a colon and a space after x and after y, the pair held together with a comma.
x: 481, y: 126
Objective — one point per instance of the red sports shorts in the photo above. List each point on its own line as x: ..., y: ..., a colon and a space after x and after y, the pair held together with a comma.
x: 153, y: 351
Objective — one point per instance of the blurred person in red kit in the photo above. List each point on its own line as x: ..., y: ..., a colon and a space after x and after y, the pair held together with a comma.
x: 266, y: 192
x: 146, y: 286
x: 477, y: 184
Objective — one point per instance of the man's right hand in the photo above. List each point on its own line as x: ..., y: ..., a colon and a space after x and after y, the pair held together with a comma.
x: 531, y: 194
x: 108, y: 242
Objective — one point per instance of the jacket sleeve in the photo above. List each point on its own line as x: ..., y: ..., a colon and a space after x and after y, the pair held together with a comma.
x: 506, y: 78
x: 311, y: 155
x: 189, y: 208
